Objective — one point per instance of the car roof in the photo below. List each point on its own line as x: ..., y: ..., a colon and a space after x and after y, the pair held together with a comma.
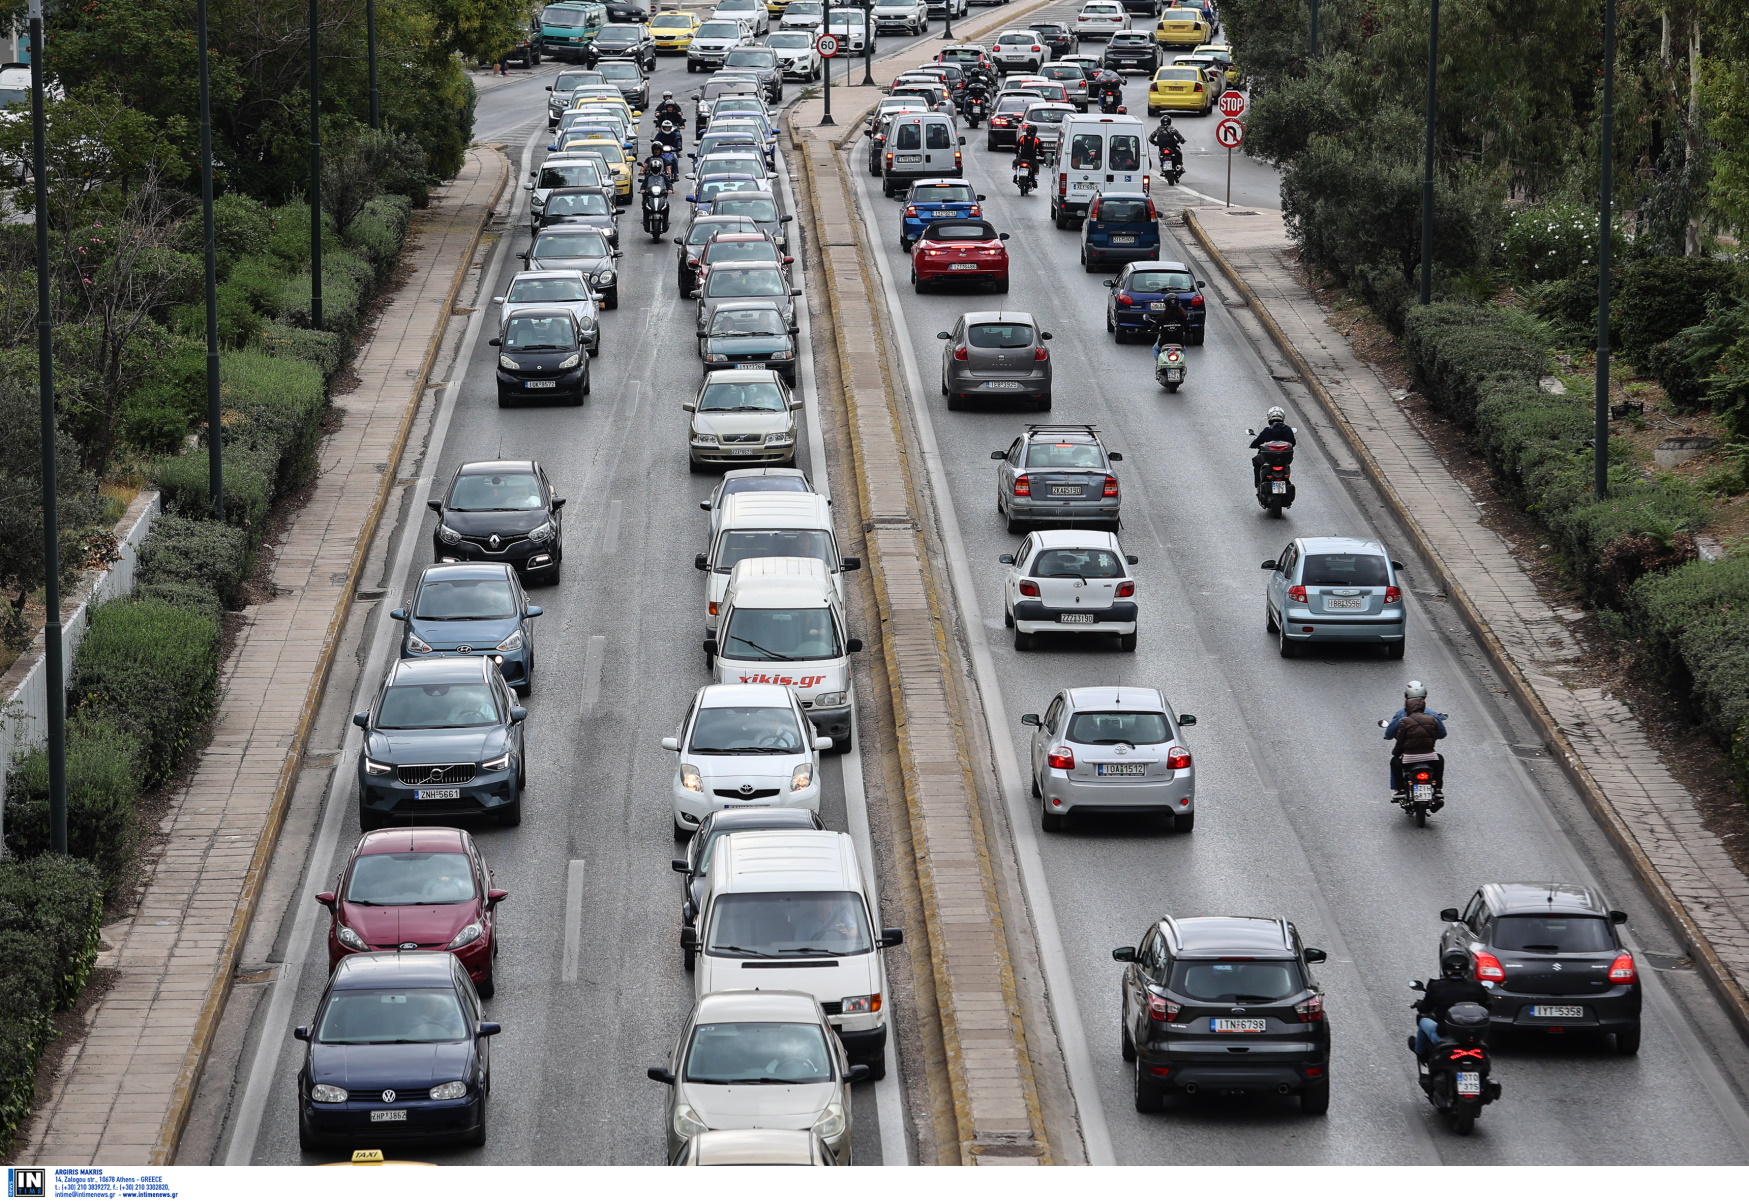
x: 1152, y: 264
x: 761, y: 1005
x: 404, y: 839
x: 777, y: 510
x: 742, y: 473
x: 1121, y: 697
x: 1075, y: 539
x: 1543, y: 897
x: 395, y: 969
x: 465, y: 571
x: 786, y: 582
x: 445, y: 669
x: 743, y: 235
x: 759, y: 696
x: 496, y: 466
x: 945, y: 179
x: 540, y: 312
x: 1061, y: 433
x: 1340, y: 546
x: 759, y: 860
x: 762, y: 817
x: 1000, y: 316
x: 1212, y: 937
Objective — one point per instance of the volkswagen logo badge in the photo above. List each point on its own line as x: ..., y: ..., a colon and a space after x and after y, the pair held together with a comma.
x: 388, y: 1094
x: 464, y: 648
x: 746, y: 790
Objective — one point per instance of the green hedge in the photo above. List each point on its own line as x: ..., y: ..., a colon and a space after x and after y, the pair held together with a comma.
x: 1662, y: 295
x: 195, y: 552
x: 377, y: 233
x: 102, y: 770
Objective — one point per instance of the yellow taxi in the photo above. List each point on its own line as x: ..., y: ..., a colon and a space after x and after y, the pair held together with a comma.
x: 1181, y: 89
x: 1181, y: 27
x: 615, y: 156
x: 673, y: 31
x: 775, y: 8
x: 631, y: 113
x: 1220, y: 66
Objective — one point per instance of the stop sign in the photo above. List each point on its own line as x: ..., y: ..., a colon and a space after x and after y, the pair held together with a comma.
x: 1232, y: 104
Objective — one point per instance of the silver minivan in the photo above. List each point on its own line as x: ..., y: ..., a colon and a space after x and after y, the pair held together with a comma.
x: 1334, y: 590
x: 920, y: 145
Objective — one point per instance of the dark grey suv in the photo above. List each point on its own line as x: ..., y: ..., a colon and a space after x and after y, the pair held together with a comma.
x: 1224, y: 1004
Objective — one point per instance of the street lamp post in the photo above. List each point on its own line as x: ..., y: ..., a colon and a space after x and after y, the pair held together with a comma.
x: 315, y: 170
x: 215, y: 449
x: 1606, y: 183
x: 868, y: 79
x: 947, y: 17
x: 370, y: 49
x: 56, y: 685
x: 1314, y: 53
x: 1427, y: 168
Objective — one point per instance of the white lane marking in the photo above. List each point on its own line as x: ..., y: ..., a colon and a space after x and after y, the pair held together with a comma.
x: 246, y: 1128
x: 610, y: 527
x: 573, y: 921
x: 1078, y: 1061
x: 593, y: 658
x: 634, y: 392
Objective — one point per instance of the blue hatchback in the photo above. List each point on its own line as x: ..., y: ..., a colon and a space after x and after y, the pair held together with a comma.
x: 1121, y: 227
x: 933, y: 200
x: 397, y: 1053
x: 472, y: 609
x: 1141, y: 289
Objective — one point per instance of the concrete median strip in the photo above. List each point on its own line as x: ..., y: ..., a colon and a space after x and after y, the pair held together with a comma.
x: 123, y: 1093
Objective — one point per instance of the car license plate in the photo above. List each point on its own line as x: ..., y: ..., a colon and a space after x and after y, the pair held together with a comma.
x: 1065, y: 489
x: 542, y: 383
x: 942, y: 213
x: 388, y: 1115
x: 1469, y: 1084
x: 1085, y: 185
x: 1344, y: 602
x: 1120, y: 769
x: 1237, y: 1025
x: 1156, y: 306
x: 910, y: 158
x: 1002, y: 383
x: 741, y: 451
x: 1075, y: 619
x: 1123, y: 239
x: 1557, y: 1011
x: 437, y: 794
x: 1278, y: 485
x: 962, y: 266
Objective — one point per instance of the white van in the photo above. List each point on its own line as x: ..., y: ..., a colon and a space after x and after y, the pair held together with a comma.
x: 782, y: 622
x: 920, y: 146
x: 769, y: 525
x: 789, y: 909
x: 1094, y: 154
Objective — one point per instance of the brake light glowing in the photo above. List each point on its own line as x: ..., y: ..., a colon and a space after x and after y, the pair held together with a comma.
x: 1160, y: 1009
x: 1022, y: 486
x: 1061, y: 757
x: 1148, y: 183
x: 960, y: 355
x: 1196, y: 302
x: 1311, y: 1009
x: 1488, y: 967
x: 1125, y: 298
x: 1177, y: 758
x: 910, y: 210
x: 977, y: 210
x: 1040, y: 354
x: 1028, y: 588
x: 1393, y: 594
x: 1110, y: 486
x: 1297, y: 593
x: 1127, y: 588
x: 1622, y: 970
x: 956, y: 158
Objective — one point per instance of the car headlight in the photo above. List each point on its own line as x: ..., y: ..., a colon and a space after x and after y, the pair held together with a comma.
x: 690, y: 779
x: 716, y: 358
x: 455, y: 1090
x: 687, y: 1122
x: 829, y: 700
x: 783, y: 354
x: 606, y: 277
x: 508, y: 363
x: 417, y: 644
x: 585, y: 322
x: 802, y: 777
x: 467, y: 934
x: 704, y: 439
x: 830, y: 1125
x: 570, y: 362
x: 499, y: 764
x: 540, y: 533
x: 348, y: 937
x: 868, y: 1004
x: 512, y: 643
x: 445, y: 534
x: 373, y: 768
x: 779, y: 439
x: 327, y: 1093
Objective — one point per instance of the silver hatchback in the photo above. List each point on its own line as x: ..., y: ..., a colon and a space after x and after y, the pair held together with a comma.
x: 1334, y: 590
x: 996, y: 355
x: 1057, y: 475
x: 1112, y: 750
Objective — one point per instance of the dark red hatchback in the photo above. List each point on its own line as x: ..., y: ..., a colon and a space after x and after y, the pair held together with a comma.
x: 423, y: 888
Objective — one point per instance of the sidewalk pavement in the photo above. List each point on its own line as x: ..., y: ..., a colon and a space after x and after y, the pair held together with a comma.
x: 1646, y: 813
x: 122, y: 1094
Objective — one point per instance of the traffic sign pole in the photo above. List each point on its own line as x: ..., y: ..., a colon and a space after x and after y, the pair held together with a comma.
x: 827, y: 45
x: 1229, y: 178
x: 1231, y: 134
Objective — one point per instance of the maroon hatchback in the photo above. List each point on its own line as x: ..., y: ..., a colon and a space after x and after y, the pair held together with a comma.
x: 423, y: 888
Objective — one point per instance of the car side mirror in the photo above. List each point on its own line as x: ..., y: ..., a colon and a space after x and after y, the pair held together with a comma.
x: 857, y: 1074
x: 1314, y: 955
x: 680, y: 865
x: 361, y: 720
x: 1111, y: 283
x: 891, y: 936
x: 301, y: 1033
x: 518, y: 714
x: 1124, y: 954
x: 850, y: 563
x: 788, y: 259
x: 528, y: 187
x: 944, y: 335
x: 1044, y: 337
x: 325, y: 899
x: 852, y: 645
x: 1187, y: 719
x: 1005, y: 559
x: 671, y: 744
x: 689, y: 938
x: 1030, y: 719
x: 558, y: 503
x: 1396, y: 566
x: 690, y: 199
x: 1200, y: 284
x: 679, y: 241
x: 1002, y: 237
x: 998, y: 454
x: 1268, y: 565
x: 533, y: 611
x: 710, y: 646
x: 962, y: 141
x: 701, y: 562
x: 1132, y: 560
x: 488, y: 1029
x: 660, y: 1075
x: 795, y: 291
x: 1115, y: 456
x: 1417, y: 986
x: 1449, y: 915
x: 494, y: 895
x: 397, y: 615
x: 549, y: 87
x: 1251, y: 431
x: 497, y: 300
x: 494, y: 342
x: 689, y: 407
x: 1617, y: 916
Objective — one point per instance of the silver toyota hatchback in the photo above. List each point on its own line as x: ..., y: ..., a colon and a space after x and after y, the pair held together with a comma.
x: 1334, y: 590
x: 1112, y: 750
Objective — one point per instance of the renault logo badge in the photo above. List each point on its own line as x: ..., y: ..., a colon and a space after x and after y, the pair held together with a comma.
x: 493, y: 541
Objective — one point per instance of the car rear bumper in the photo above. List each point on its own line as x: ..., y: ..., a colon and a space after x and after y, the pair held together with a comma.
x: 1617, y: 1009
x: 1033, y: 617
x: 833, y: 723
x: 972, y: 385
x: 1104, y: 252
x: 1321, y: 627
x: 1137, y: 319
x: 979, y: 273
x: 1071, y: 513
x: 513, y: 665
x: 1173, y: 1075
x: 1065, y: 795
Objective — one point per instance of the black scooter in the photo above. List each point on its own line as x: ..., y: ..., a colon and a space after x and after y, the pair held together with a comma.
x: 1275, y: 486
x: 656, y: 210
x: 974, y: 110
x: 1025, y: 176
x: 1172, y: 169
x: 1455, y: 1074
x: 1110, y: 103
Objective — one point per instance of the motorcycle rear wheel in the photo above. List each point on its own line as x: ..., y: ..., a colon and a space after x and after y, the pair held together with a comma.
x: 1275, y: 507
x: 1420, y: 812
x: 1463, y: 1119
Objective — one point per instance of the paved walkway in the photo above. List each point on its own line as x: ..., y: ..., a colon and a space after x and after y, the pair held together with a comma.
x: 1648, y: 815
x: 123, y: 1094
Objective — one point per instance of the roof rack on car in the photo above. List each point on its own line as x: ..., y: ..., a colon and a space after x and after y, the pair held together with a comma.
x: 1067, y: 427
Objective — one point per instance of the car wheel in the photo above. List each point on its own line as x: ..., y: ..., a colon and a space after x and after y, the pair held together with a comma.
x: 1183, y: 823
x: 1627, y: 1042
x: 1037, y: 792
x: 504, y: 401
x: 554, y: 576
x: 681, y: 833
x: 1042, y: 404
x: 1008, y: 620
x: 1016, y: 526
x: 488, y: 986
x: 1149, y: 1097
x: 610, y: 298
x: 511, y: 815
x: 1395, y: 650
x: 688, y: 958
x: 1022, y: 640
x: 1127, y: 1045
x: 990, y: 143
x: 1000, y: 285
x: 694, y: 466
x: 1050, y: 823
x: 1315, y: 1098
x: 1111, y: 326
x: 522, y: 690
x: 1268, y: 620
x: 307, y: 1137
x: 1197, y: 336
x: 1126, y: 642
x: 877, y: 1066
x: 1289, y: 650
x: 955, y: 402
x: 478, y: 1137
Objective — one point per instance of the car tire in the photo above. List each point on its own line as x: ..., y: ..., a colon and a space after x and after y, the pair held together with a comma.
x: 487, y: 987
x: 955, y: 402
x: 1037, y: 792
x: 1627, y: 1042
x: 510, y: 816
x: 369, y: 819
x: 1000, y: 285
x: 523, y: 690
x: 308, y: 1140
x: 1126, y: 1045
x: 1022, y: 640
x: 694, y: 466
x: 1008, y: 620
x: 504, y: 401
x: 681, y: 833
x: 1269, y: 626
x: 1183, y: 823
x: 1289, y: 650
x: 1395, y: 650
x: 1050, y: 823
x: 610, y: 299
x: 1149, y: 1097
x: 1042, y: 404
x: 877, y: 1066
x: 1126, y: 642
x: 1315, y: 1097
x: 1016, y: 526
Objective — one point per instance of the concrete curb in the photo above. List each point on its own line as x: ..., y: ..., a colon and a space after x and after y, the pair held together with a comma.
x: 182, y: 1095
x: 1718, y: 977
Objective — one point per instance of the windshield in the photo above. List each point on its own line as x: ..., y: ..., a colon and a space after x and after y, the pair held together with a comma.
x: 790, y: 41
x: 411, y: 878
x: 1111, y: 729
x: 621, y: 71
x: 614, y: 34
x: 1014, y: 104
x: 758, y: 1053
x: 760, y: 396
x: 754, y: 208
x: 958, y: 231
x: 562, y: 18
x: 540, y: 333
x: 465, y: 600
x: 750, y: 57
x: 570, y: 81
x: 734, y: 163
x: 571, y: 175
x: 736, y: 545
x: 510, y: 492
x: 556, y: 291
x: 702, y: 230
x: 744, y: 281
x: 1095, y: 564
x: 943, y: 193
x: 1064, y: 454
x: 989, y: 336
x: 804, y: 8
x: 1552, y: 933
x: 845, y: 16
x: 1111, y: 209
x: 362, y: 1017
x: 1337, y: 570
x: 738, y: 730
x: 437, y: 707
x: 587, y: 204
x: 780, y: 635
x: 671, y: 21
x: 1255, y: 982
x: 765, y: 483
x: 779, y: 924
x: 570, y: 244
x: 747, y: 323
x: 1161, y: 281
x: 719, y: 29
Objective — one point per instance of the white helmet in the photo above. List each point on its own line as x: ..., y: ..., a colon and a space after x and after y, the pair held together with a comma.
x: 1277, y: 414
x: 1414, y: 690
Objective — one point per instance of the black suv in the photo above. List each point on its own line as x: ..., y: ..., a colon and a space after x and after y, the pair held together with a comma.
x: 501, y: 511
x: 1056, y: 36
x: 627, y: 41
x: 1224, y: 1004
x: 1131, y: 52
x: 1552, y: 957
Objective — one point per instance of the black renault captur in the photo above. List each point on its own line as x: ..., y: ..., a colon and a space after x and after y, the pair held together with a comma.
x: 501, y: 511
x: 541, y: 357
x: 1224, y: 1005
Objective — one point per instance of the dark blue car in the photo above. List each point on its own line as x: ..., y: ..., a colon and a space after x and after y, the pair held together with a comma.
x: 397, y: 1053
x: 1142, y: 288
x: 473, y: 609
x: 1121, y: 227
x: 931, y: 200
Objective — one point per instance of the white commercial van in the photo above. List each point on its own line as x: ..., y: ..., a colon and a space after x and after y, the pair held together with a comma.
x: 769, y: 525
x: 1095, y: 154
x: 782, y: 622
x: 789, y: 909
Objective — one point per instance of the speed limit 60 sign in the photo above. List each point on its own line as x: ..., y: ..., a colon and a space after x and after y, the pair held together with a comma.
x: 827, y: 45
x: 1232, y: 104
x: 1230, y: 133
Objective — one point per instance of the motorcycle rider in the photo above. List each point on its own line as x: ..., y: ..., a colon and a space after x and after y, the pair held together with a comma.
x: 655, y: 171
x: 978, y: 73
x: 1415, y: 733
x: 667, y: 139
x: 1169, y: 324
x: 1276, y: 429
x: 1454, y: 987
x: 1108, y: 86
x: 976, y: 92
x: 1029, y: 151
x: 1170, y: 144
x: 669, y: 111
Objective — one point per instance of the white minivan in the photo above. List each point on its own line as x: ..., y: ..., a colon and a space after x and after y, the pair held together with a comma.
x: 769, y: 525
x: 790, y: 909
x: 781, y: 622
x: 1096, y: 153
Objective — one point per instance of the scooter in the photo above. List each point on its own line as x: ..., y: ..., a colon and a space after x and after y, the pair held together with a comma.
x: 974, y: 109
x: 1455, y: 1075
x: 1026, y: 176
x: 1172, y: 169
x: 656, y: 210
x: 1110, y: 103
x: 1275, y: 488
x: 1170, y: 364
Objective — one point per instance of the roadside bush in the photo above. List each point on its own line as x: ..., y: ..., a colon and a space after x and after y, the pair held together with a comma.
x: 260, y: 279
x: 290, y: 241
x: 195, y: 552
x: 1571, y: 304
x: 1458, y: 349
x: 185, y: 481
x: 197, y: 598
x: 322, y: 349
x: 241, y: 226
x: 278, y: 408
x: 378, y: 232
x: 102, y: 763
x: 1551, y: 242
x: 1663, y: 295
x: 157, y: 414
x: 346, y: 280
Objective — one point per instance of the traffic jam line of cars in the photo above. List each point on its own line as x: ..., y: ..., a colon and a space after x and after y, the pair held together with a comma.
x: 1210, y: 1004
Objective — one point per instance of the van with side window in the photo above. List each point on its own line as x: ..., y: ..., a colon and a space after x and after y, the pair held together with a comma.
x: 1096, y: 154
x: 920, y: 145
x: 568, y: 27
x: 782, y: 623
x: 791, y: 909
x: 769, y: 525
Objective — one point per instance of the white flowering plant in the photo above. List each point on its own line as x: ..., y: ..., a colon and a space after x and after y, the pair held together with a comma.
x: 1549, y: 242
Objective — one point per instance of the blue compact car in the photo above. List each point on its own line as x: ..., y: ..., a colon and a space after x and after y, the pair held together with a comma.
x: 1121, y: 227
x: 473, y: 609
x: 1142, y: 288
x: 932, y: 200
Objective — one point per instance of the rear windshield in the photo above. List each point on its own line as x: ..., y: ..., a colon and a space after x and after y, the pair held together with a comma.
x: 627, y: 70
x: 1065, y: 564
x: 1126, y: 152
x: 954, y: 231
x: 713, y: 188
x: 571, y: 80
x: 785, y: 924
x: 1254, y: 982
x: 780, y: 635
x: 1047, y: 116
x: 1063, y: 454
x: 1110, y: 729
x: 1130, y: 39
x: 745, y: 730
x: 1161, y: 281
x: 465, y: 600
x: 741, y: 252
x: 943, y: 193
x: 993, y: 336
x: 758, y: 208
x: 765, y: 483
x: 1186, y: 74
x: 1124, y: 210
x: 361, y: 1017
x: 790, y: 41
x: 910, y: 137
x: 736, y: 545
x: 937, y: 138
x: 758, y: 1053
x: 411, y: 878
x: 1086, y: 151
x: 1337, y: 570
x: 1552, y: 933
x: 1062, y: 71
x: 701, y: 230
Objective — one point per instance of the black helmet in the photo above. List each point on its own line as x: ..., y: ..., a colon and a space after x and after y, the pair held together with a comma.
x: 1454, y: 964
x: 1468, y: 1017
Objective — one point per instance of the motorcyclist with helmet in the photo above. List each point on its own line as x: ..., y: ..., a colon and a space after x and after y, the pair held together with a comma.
x: 1415, y: 731
x: 976, y: 91
x: 655, y: 170
x: 669, y: 111
x: 1029, y: 151
x: 1454, y: 987
x: 667, y: 139
x: 1275, y: 429
x: 1170, y: 144
x: 1107, y: 88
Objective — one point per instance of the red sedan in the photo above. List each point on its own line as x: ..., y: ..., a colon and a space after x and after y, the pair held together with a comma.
x: 971, y: 251
x: 423, y: 888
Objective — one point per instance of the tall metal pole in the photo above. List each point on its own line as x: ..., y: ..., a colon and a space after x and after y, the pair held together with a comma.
x: 1606, y: 184
x: 215, y: 447
x: 827, y: 119
x: 56, y: 683
x: 315, y: 171
x: 370, y: 49
x: 947, y: 16
x: 868, y: 79
x: 1427, y: 171
x: 1314, y: 53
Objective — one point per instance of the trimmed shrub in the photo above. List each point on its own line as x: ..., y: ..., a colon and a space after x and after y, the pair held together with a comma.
x: 1572, y: 305
x: 346, y: 280
x: 157, y: 415
x: 260, y: 279
x: 186, y: 482
x: 1663, y: 295
x: 197, y: 598
x: 241, y: 226
x: 290, y: 240
x: 323, y: 349
x: 102, y: 763
x: 378, y: 232
x: 195, y: 552
x: 278, y: 408
x: 1460, y: 349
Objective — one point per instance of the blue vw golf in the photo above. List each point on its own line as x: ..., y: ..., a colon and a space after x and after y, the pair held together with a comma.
x: 1142, y: 288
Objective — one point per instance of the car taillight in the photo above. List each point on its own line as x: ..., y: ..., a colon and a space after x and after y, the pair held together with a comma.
x: 889, y: 158
x: 956, y: 158
x: 1488, y: 967
x: 1162, y: 1010
x: 1110, y: 485
x: 1035, y: 49
x: 1393, y: 594
x: 1061, y: 757
x: 1622, y: 970
x: 1297, y: 593
x: 1028, y: 588
x: 910, y: 210
x: 1311, y: 1009
x: 1197, y: 88
x: 1127, y: 588
x: 1196, y: 302
x: 1177, y: 758
x: 1063, y: 183
x: 1022, y: 486
x: 1147, y: 183
x: 1125, y: 298
x: 977, y: 211
x: 1040, y: 354
x: 960, y: 355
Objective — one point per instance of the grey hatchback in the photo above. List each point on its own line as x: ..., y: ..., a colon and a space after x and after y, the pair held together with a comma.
x: 996, y: 355
x: 1334, y: 590
x: 1057, y: 475
x: 574, y: 249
